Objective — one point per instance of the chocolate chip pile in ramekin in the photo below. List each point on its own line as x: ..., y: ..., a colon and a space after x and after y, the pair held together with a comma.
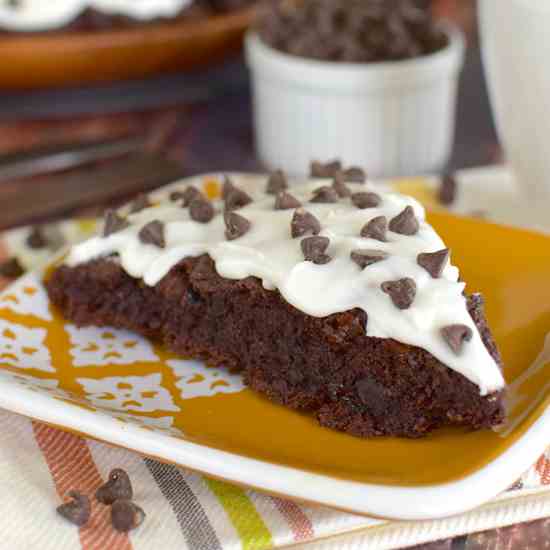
x: 355, y: 31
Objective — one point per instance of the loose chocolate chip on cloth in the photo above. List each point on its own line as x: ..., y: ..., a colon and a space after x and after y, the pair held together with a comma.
x: 118, y: 486
x: 434, y: 262
x: 304, y: 222
x: 324, y: 195
x: 125, y: 515
x: 314, y: 249
x: 364, y: 258
x: 11, y: 269
x: 448, y: 190
x: 113, y: 223
x: 236, y: 226
x: 140, y: 203
x: 405, y: 223
x: 366, y: 200
x: 77, y: 510
x: 201, y: 210
x: 456, y: 335
x: 402, y: 292
x: 376, y: 229
x: 153, y: 233
x: 276, y: 183
x: 285, y: 201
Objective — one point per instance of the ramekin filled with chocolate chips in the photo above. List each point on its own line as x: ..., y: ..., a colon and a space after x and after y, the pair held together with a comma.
x: 371, y: 81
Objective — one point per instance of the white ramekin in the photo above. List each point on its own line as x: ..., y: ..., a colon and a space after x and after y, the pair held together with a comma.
x: 393, y: 118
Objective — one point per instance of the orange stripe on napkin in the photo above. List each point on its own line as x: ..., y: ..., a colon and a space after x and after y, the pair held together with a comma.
x: 72, y: 467
x: 299, y: 523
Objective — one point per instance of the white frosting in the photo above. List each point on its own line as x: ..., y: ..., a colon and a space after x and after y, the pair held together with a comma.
x: 41, y: 15
x: 269, y: 252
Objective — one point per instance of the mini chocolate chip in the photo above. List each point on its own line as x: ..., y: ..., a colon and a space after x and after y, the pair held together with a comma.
x: 340, y: 187
x: 11, y: 269
x: 140, y: 203
x: 434, y: 262
x: 125, y: 515
x: 401, y: 292
x: 118, y: 486
x: 227, y: 187
x: 314, y: 249
x: 456, y: 335
x: 176, y: 196
x: 113, y: 223
x: 78, y: 510
x: 201, y: 210
x: 355, y: 175
x: 236, y: 226
x: 303, y: 223
x: 405, y: 223
x: 325, y: 195
x: 36, y: 239
x: 364, y: 258
x: 276, y: 183
x: 285, y: 201
x: 153, y: 233
x: 327, y: 170
x: 236, y: 199
x: 448, y: 190
x: 366, y: 200
x: 187, y: 197
x: 376, y: 229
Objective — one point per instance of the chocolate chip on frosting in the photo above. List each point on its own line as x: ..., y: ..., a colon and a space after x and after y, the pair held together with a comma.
x: 153, y: 233
x: 236, y: 226
x: 236, y: 199
x: 376, y: 229
x: 11, y: 269
x: 140, y: 203
x: 187, y: 197
x: 276, y: 183
x: 285, y: 201
x: 405, y: 223
x: 366, y: 200
x: 327, y: 170
x: 355, y: 175
x: 364, y: 258
x: 314, y: 249
x: 227, y: 187
x: 456, y: 335
x: 36, y: 239
x: 324, y: 195
x: 201, y: 210
x: 113, y: 223
x: 402, y: 292
x: 304, y: 222
x: 340, y: 187
x: 434, y: 262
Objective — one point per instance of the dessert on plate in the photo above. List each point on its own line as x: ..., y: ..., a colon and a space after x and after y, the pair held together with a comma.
x: 31, y: 16
x: 331, y: 295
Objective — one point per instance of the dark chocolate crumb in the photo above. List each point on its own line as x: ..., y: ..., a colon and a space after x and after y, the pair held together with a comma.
x: 304, y: 222
x: 118, y: 486
x: 376, y: 229
x: 276, y: 183
x: 36, y: 239
x: 364, y: 258
x: 448, y: 190
x: 327, y: 170
x: 140, y: 203
x: 285, y: 201
x: 236, y: 198
x: 405, y: 223
x: 125, y: 515
x: 325, y: 195
x: 355, y: 175
x: 236, y: 226
x: 340, y: 187
x: 201, y: 210
x: 314, y: 249
x: 77, y: 510
x: 402, y: 292
x: 434, y: 262
x: 153, y: 233
x: 113, y: 223
x: 366, y: 200
x: 11, y: 269
x: 456, y: 335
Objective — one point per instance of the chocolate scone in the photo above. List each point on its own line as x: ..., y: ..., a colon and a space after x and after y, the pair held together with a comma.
x: 222, y: 281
